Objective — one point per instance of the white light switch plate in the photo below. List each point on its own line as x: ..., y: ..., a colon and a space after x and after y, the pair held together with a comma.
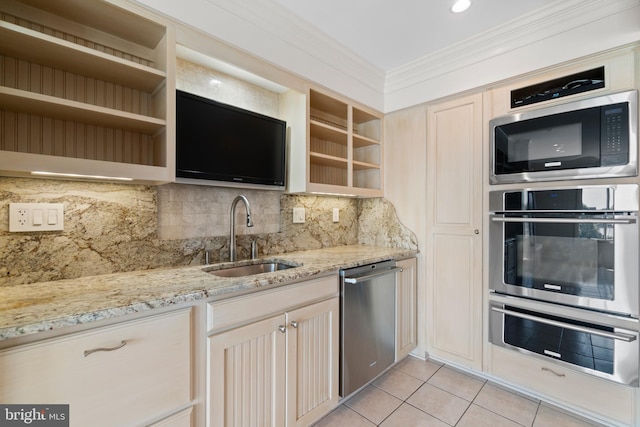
x: 298, y: 215
x: 36, y: 217
x: 336, y: 214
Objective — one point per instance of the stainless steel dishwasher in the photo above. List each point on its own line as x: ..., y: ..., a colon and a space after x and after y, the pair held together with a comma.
x: 367, y: 334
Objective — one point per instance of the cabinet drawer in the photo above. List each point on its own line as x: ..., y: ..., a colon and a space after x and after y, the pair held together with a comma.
x: 147, y: 376
x: 224, y: 314
x: 592, y: 394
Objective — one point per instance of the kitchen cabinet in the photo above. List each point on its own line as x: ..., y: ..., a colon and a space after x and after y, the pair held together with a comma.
x: 273, y: 357
x: 406, y: 308
x: 344, y: 149
x: 454, y: 218
x: 86, y: 90
x: 125, y: 374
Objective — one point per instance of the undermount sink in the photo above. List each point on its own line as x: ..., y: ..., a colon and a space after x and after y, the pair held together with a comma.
x: 251, y: 269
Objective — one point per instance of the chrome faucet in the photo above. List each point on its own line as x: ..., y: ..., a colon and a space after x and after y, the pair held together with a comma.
x: 232, y: 237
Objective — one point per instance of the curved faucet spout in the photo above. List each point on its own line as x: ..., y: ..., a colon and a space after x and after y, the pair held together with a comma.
x: 232, y: 222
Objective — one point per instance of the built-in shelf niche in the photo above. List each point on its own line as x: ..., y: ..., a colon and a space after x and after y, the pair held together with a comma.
x: 80, y: 82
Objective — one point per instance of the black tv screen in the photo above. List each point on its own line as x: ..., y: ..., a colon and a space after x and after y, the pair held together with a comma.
x: 220, y: 142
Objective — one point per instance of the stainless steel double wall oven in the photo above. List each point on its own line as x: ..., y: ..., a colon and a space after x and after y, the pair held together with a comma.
x: 572, y: 254
x: 564, y: 269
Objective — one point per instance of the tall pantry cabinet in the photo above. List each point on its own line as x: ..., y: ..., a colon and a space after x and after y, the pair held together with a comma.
x: 453, y: 231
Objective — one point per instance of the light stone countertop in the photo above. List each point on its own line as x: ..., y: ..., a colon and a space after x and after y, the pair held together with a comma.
x: 37, y: 307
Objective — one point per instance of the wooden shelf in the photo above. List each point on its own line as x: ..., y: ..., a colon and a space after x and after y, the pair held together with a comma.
x: 344, y: 151
x: 86, y: 91
x: 49, y: 106
x: 359, y: 166
x: 360, y: 141
x: 36, y: 47
x: 107, y: 18
x: 328, y: 133
x: 22, y: 164
x: 330, y: 161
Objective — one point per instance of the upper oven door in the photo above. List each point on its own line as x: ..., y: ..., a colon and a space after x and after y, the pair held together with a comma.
x: 580, y: 258
x: 593, y: 138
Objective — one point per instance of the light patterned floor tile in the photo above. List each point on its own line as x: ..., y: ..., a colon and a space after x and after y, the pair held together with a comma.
x: 455, y: 382
x: 439, y: 403
x: 510, y: 405
x: 374, y: 404
x: 398, y: 383
x: 480, y: 417
x: 343, y: 416
x: 550, y: 417
x: 421, y: 369
x: 408, y: 416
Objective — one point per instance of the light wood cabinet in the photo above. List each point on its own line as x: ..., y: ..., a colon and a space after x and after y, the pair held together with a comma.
x: 454, y: 218
x: 406, y: 308
x: 277, y: 370
x: 344, y: 149
x: 86, y: 88
x: 582, y: 392
x: 126, y: 374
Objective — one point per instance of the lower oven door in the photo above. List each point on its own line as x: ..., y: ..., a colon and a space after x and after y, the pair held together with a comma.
x: 594, y: 347
x: 580, y: 260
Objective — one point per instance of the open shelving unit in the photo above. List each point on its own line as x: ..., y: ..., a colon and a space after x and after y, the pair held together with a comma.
x: 85, y: 91
x: 345, y: 147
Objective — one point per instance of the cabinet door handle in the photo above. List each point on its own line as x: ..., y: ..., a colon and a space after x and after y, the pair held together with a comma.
x: 282, y: 328
x: 294, y: 323
x: 552, y: 371
x: 95, y: 350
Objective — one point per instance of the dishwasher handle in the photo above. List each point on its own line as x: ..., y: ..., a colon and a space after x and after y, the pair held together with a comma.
x: 359, y: 279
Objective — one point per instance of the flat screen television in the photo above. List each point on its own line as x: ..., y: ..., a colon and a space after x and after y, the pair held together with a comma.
x: 228, y: 145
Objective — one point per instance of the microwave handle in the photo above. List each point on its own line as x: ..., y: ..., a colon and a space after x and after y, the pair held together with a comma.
x: 615, y: 336
x: 566, y: 220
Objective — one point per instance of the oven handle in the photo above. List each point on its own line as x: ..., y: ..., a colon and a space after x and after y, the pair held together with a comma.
x: 358, y: 279
x: 566, y: 220
x: 615, y: 336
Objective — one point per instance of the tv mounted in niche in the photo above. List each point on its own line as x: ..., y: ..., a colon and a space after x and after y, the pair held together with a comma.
x: 220, y: 144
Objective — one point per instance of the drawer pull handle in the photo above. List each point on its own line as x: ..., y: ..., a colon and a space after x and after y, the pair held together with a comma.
x: 282, y: 328
x: 95, y: 350
x: 294, y: 323
x: 553, y: 372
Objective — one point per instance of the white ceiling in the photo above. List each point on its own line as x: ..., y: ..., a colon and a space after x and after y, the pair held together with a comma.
x: 390, y: 34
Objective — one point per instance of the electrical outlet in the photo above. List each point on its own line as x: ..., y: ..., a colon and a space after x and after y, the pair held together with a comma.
x: 298, y: 215
x: 25, y: 217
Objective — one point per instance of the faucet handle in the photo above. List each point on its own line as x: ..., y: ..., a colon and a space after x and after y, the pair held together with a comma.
x: 254, y: 249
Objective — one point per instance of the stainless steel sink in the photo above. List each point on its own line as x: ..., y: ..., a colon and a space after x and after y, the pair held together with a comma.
x: 251, y: 269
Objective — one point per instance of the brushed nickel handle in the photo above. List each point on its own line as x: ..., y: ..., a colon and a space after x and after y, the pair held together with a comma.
x: 553, y: 372
x: 95, y: 350
x: 565, y: 220
x: 294, y: 323
x: 282, y: 328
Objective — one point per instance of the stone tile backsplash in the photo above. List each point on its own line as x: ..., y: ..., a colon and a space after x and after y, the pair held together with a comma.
x: 111, y: 228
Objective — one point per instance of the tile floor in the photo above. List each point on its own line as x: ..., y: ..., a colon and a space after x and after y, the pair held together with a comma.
x: 427, y: 394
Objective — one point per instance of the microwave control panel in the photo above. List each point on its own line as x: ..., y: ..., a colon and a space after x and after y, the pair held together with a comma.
x: 615, y: 135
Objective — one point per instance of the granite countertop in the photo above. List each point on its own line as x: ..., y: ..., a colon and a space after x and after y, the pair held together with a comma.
x: 44, y: 306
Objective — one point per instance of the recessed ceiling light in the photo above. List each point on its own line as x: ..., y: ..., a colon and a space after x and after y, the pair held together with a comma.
x: 460, y: 6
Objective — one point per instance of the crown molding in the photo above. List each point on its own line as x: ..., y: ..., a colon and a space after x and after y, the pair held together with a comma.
x: 547, y: 22
x: 307, y: 52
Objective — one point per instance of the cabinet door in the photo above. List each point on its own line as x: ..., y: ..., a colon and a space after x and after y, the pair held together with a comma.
x: 118, y: 375
x: 454, y: 217
x: 406, y: 314
x: 247, y: 368
x: 312, y: 372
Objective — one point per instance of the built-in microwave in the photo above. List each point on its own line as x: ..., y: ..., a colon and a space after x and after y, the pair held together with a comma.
x: 590, y: 138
